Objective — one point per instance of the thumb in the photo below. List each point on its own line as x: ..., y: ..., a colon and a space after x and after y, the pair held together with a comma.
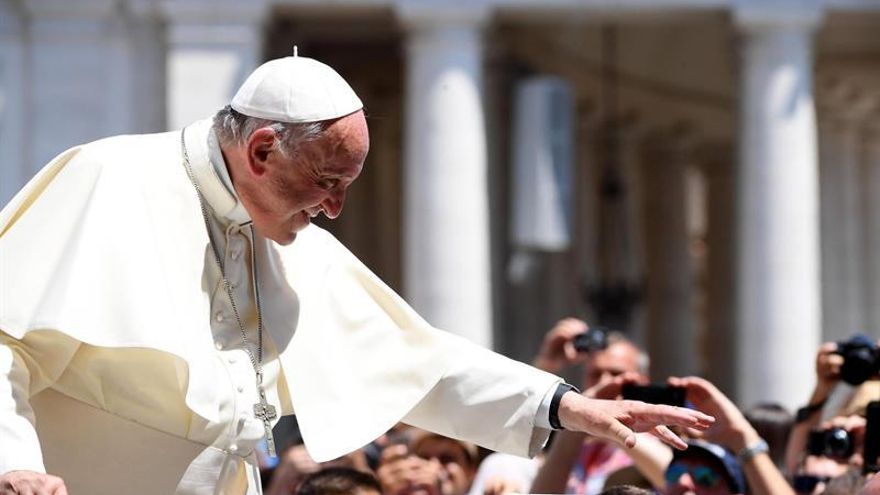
x: 620, y: 433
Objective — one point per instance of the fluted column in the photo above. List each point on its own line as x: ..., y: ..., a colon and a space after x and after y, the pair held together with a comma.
x: 212, y: 47
x: 719, y: 342
x: 779, y: 305
x: 446, y: 217
x: 841, y: 156
x: 13, y: 164
x: 670, y: 313
x: 870, y: 180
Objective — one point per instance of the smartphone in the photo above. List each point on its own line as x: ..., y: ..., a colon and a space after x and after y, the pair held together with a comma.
x: 872, y: 438
x: 655, y: 394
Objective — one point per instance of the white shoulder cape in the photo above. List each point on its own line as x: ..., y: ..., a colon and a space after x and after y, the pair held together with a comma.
x: 107, y: 245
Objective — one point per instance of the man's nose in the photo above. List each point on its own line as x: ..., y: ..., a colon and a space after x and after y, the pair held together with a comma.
x: 332, y: 206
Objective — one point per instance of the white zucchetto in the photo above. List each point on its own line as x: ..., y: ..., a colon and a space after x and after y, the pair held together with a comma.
x: 296, y: 90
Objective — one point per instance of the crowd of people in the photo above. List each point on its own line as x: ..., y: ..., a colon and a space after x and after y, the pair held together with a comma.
x: 766, y: 450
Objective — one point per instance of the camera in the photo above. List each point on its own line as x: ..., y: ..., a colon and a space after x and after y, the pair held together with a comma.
x: 594, y: 339
x: 861, y: 359
x: 836, y: 443
x: 655, y: 394
x: 872, y: 438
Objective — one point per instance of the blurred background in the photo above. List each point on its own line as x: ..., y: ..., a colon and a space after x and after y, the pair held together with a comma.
x: 703, y: 175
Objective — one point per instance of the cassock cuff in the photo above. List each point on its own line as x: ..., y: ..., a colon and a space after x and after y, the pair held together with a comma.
x: 542, y: 418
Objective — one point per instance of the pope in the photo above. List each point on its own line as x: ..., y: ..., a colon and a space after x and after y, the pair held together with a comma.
x: 164, y: 300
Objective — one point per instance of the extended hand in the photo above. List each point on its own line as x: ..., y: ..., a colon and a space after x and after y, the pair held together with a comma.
x: 620, y: 420
x: 31, y: 483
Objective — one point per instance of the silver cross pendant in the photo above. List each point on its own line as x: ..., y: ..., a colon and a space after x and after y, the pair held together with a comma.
x: 266, y: 413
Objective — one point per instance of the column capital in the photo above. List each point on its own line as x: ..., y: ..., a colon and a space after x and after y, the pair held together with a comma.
x: 846, y: 106
x: 419, y: 15
x: 766, y: 15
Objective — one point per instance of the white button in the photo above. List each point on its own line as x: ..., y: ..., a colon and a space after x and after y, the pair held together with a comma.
x: 233, y: 448
x: 219, y: 317
x: 240, y: 389
x: 218, y: 345
x: 231, y: 360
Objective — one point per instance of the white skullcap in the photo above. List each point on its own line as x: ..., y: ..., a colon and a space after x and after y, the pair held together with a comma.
x: 295, y: 89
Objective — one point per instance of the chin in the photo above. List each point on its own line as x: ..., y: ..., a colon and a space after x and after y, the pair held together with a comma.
x: 286, y: 240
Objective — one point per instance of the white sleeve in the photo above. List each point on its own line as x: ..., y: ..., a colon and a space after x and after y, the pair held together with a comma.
x: 21, y: 376
x: 487, y: 399
x: 542, y: 418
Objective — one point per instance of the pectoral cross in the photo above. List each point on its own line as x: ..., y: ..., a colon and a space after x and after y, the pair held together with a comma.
x: 266, y: 412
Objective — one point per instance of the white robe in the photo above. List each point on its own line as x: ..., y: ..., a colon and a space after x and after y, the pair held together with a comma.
x: 108, y: 359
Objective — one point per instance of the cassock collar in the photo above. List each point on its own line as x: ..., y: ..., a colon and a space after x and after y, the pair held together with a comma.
x: 210, y: 173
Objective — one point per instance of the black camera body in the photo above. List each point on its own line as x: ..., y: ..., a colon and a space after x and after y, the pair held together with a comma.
x: 655, y: 394
x: 836, y: 443
x: 861, y: 359
x: 872, y: 438
x: 594, y: 339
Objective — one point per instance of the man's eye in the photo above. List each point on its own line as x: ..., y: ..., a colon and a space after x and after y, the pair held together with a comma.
x: 329, y: 183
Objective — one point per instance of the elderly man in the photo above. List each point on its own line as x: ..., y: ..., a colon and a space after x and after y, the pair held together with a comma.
x: 165, y: 300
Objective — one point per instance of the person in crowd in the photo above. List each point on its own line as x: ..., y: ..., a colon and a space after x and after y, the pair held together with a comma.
x: 828, y: 377
x: 704, y: 469
x: 166, y: 298
x: 295, y: 465
x: 576, y: 463
x: 736, y: 436
x: 431, y: 464
x: 339, y: 481
x: 773, y: 423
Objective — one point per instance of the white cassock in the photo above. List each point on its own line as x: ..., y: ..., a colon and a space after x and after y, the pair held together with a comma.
x: 122, y: 367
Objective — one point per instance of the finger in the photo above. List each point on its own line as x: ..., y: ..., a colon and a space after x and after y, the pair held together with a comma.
x: 680, y: 416
x: 569, y: 350
x: 668, y: 437
x: 618, y: 432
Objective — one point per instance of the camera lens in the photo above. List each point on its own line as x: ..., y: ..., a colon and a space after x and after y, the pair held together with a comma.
x: 838, y: 443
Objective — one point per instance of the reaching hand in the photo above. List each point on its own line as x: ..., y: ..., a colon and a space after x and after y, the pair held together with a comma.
x: 620, y: 420
x: 31, y: 483
x: 558, y: 350
x: 731, y: 428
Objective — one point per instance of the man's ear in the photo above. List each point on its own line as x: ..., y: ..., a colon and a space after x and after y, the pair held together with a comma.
x: 260, y: 145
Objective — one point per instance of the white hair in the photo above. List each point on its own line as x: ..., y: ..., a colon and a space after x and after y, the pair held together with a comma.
x: 235, y: 128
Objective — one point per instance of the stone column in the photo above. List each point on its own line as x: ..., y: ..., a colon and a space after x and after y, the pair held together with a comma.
x: 779, y: 305
x: 446, y: 217
x: 840, y: 148
x: 13, y: 168
x: 870, y: 180
x: 670, y: 312
x: 720, y: 338
x: 212, y: 47
x: 70, y: 99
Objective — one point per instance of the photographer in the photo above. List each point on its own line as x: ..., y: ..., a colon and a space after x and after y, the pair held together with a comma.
x: 832, y: 367
x: 733, y: 432
x: 575, y: 462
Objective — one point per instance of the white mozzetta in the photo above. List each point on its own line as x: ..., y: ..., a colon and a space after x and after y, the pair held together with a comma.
x: 446, y: 224
x: 779, y: 307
